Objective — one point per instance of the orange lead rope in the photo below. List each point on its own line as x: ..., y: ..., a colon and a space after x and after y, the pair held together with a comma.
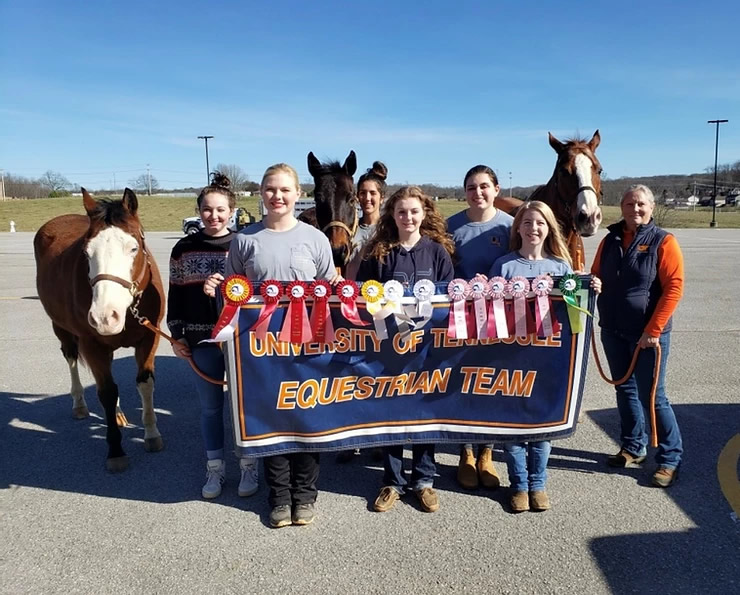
x: 656, y: 374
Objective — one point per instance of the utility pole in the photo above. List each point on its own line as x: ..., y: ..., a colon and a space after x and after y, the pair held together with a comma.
x: 208, y: 168
x: 148, y: 180
x: 713, y: 223
x: 2, y: 184
x: 509, y: 184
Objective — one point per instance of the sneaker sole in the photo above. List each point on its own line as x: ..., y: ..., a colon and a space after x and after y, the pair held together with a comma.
x: 281, y: 524
x: 210, y: 496
x: 303, y: 522
x: 247, y: 493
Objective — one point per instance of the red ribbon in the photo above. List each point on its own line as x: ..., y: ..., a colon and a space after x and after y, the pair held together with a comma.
x: 321, y: 324
x: 271, y: 291
x: 236, y: 290
x: 348, y: 292
x: 296, y: 328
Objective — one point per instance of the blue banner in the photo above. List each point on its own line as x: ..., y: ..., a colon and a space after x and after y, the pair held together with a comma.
x: 418, y: 386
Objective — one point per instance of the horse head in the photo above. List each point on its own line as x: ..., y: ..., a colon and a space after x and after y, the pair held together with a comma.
x: 117, y: 259
x: 336, y: 204
x: 578, y: 180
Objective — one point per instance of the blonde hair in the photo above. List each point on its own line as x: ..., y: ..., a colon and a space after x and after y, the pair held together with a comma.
x: 554, y: 242
x: 385, y: 237
x: 279, y: 168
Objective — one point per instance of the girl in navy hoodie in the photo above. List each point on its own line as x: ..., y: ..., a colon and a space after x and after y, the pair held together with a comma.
x: 410, y: 244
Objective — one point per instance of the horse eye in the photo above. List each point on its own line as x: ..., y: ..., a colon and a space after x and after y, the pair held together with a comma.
x: 134, y: 250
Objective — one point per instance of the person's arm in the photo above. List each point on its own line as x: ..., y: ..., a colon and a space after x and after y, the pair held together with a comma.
x: 175, y: 302
x: 325, y: 268
x: 445, y: 269
x: 596, y: 266
x: 671, y: 277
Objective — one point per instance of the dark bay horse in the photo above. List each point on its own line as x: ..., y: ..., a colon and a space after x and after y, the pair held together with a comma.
x: 336, y: 204
x: 574, y: 192
x: 91, y: 273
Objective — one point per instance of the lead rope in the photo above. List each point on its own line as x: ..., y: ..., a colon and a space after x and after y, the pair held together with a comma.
x: 656, y: 373
x: 144, y: 321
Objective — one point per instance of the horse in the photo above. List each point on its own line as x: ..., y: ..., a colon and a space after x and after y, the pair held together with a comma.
x: 574, y: 192
x: 335, y: 212
x: 98, y: 283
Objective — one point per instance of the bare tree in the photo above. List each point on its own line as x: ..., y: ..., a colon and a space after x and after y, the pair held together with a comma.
x: 144, y: 183
x: 55, y: 183
x: 239, y: 178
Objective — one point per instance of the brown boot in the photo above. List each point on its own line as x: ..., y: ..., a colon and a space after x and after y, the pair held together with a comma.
x: 467, y: 475
x: 486, y: 469
x: 519, y: 502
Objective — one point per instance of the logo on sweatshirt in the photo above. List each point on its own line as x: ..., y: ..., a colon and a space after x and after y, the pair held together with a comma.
x: 495, y: 241
x: 643, y: 248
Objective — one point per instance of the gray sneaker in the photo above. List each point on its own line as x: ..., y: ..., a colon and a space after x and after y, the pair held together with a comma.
x: 303, y: 514
x: 280, y: 516
x: 248, y: 484
x: 215, y: 477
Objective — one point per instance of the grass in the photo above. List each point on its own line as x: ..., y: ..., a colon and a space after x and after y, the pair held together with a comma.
x: 160, y: 213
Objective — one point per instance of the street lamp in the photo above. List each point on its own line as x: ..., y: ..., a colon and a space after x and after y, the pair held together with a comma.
x: 713, y: 223
x: 208, y: 168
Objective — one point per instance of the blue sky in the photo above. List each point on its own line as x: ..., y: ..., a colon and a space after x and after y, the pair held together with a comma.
x: 98, y: 90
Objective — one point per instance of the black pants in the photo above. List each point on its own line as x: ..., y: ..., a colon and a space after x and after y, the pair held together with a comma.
x: 292, y: 478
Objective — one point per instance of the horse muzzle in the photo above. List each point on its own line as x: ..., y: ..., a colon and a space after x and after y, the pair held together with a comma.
x: 106, y: 321
x: 587, y: 223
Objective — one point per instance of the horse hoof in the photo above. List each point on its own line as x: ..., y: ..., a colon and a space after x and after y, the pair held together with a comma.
x: 153, y: 444
x: 80, y: 412
x: 121, y: 420
x: 117, y: 464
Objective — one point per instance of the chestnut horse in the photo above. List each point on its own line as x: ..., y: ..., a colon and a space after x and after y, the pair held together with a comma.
x: 574, y: 192
x: 336, y: 205
x: 93, y: 274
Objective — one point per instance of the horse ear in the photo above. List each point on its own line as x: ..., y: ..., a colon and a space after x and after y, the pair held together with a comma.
x: 555, y: 143
x: 594, y: 142
x: 350, y: 164
x: 314, y: 165
x: 130, y: 201
x: 88, y: 201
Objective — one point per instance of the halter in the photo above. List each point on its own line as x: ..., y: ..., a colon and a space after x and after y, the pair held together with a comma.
x: 345, y: 227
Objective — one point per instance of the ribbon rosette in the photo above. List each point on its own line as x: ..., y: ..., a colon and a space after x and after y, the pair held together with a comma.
x: 518, y: 288
x: 348, y: 292
x: 547, y: 325
x: 271, y: 292
x: 479, y: 291
x: 423, y: 292
x: 393, y: 296
x: 236, y: 290
x: 373, y: 292
x: 296, y: 328
x: 497, y: 325
x: 321, y: 324
x: 569, y: 286
x: 458, y: 291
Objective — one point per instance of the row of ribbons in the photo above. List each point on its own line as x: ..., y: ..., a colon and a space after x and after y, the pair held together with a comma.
x: 481, y: 308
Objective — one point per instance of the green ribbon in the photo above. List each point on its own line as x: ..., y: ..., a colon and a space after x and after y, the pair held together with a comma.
x: 569, y: 287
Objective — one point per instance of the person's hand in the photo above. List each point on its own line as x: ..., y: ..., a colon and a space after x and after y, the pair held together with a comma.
x: 648, y: 341
x: 336, y: 280
x: 181, y: 348
x: 595, y: 284
x: 212, y: 283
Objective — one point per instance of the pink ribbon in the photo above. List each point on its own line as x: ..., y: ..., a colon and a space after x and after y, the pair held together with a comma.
x: 296, y: 328
x: 348, y: 292
x: 321, y: 324
x: 479, y: 291
x: 545, y: 317
x: 497, y: 326
x: 517, y: 288
x: 457, y: 290
x: 271, y: 291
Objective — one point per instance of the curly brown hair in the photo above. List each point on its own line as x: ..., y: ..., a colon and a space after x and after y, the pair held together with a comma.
x: 385, y: 237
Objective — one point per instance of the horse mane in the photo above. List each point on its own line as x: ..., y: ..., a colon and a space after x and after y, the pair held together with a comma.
x: 110, y: 212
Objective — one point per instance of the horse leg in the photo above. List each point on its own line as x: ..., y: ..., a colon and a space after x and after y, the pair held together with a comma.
x: 100, y: 359
x: 70, y: 351
x: 144, y: 354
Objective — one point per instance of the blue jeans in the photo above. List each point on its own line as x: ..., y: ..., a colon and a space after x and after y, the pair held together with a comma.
x: 423, y: 467
x: 633, y: 398
x: 210, y: 359
x: 527, y: 464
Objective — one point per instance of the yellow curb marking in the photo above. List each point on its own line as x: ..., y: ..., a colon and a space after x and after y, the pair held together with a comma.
x: 727, y: 472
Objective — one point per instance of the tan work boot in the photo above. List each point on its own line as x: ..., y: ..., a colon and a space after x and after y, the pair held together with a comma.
x: 519, y: 502
x: 467, y: 475
x: 486, y: 469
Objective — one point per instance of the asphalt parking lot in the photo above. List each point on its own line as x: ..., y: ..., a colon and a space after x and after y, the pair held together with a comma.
x: 70, y: 527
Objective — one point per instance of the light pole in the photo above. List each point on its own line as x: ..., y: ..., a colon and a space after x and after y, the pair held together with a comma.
x: 208, y: 168
x: 509, y: 184
x: 713, y: 223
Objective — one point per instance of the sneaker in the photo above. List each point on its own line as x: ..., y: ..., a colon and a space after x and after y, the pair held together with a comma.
x: 519, y: 502
x: 428, y: 499
x: 215, y: 477
x: 386, y: 499
x: 280, y: 516
x: 486, y: 470
x: 304, y: 514
x: 625, y: 459
x: 665, y: 477
x: 467, y: 474
x: 539, y: 500
x: 249, y: 482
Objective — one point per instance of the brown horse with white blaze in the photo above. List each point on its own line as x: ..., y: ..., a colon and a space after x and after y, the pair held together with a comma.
x: 93, y: 273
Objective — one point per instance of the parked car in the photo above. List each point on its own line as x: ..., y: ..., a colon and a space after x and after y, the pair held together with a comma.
x: 241, y: 218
